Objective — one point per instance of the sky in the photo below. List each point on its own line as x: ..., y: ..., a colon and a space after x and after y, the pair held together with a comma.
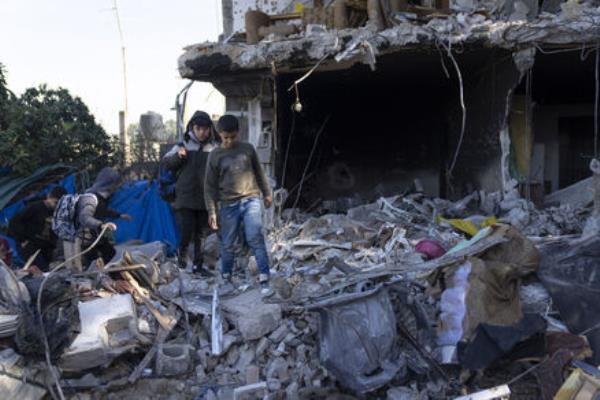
x: 75, y: 44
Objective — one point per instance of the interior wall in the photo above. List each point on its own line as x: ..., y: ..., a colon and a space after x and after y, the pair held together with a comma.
x: 563, y: 87
x: 395, y: 124
x: 546, y: 123
x: 488, y: 87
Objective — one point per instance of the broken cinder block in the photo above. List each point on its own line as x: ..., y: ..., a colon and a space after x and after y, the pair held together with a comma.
x: 108, y: 328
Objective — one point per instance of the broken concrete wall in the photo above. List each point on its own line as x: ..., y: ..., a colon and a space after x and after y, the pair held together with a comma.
x: 487, y: 93
x: 384, y: 129
x: 234, y: 11
x: 250, y: 98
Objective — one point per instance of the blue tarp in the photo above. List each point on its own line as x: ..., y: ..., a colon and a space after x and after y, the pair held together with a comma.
x: 7, y: 213
x: 153, y: 218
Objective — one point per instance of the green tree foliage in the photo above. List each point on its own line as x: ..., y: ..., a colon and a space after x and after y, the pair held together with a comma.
x: 46, y: 126
x: 5, y: 99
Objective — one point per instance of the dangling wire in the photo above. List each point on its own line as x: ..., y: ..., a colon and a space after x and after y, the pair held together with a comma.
x: 528, y: 89
x: 462, y: 105
x: 596, y: 102
x: 287, y: 149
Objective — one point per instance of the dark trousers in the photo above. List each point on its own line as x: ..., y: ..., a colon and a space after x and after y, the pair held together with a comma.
x: 193, y: 228
x: 42, y: 261
x: 104, y: 249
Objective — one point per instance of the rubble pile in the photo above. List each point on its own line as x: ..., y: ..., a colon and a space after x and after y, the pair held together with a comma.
x: 406, y: 297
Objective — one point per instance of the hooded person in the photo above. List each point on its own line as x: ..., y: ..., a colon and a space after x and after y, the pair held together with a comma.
x: 187, y: 160
x: 93, y: 214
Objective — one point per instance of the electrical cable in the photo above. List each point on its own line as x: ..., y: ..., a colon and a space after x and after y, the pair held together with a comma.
x: 39, y: 309
x: 309, y: 160
x: 287, y: 149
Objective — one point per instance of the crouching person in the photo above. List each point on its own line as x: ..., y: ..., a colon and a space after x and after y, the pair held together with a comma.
x: 31, y: 230
x: 233, y: 185
x: 79, y: 219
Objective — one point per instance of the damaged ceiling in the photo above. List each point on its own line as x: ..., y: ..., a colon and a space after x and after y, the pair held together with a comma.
x: 206, y: 60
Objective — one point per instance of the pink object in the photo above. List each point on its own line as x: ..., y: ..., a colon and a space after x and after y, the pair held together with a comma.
x: 430, y: 248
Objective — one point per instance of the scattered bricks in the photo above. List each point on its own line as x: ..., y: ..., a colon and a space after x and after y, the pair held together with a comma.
x: 279, y: 351
x: 274, y: 385
x: 290, y: 337
x: 225, y: 376
x: 291, y: 393
x: 278, y: 369
x: 301, y: 324
x: 248, y: 392
x: 232, y: 356
x: 210, y: 395
x: 201, y: 374
x: 229, y: 340
x: 246, y: 357
x: 172, y: 359
x: 262, y: 346
x: 279, y: 334
x: 252, y: 374
x: 301, y: 353
x: 206, y: 359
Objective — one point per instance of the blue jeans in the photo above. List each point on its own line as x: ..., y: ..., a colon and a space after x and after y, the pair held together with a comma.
x: 248, y: 211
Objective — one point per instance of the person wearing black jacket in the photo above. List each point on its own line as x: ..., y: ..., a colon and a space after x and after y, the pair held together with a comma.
x: 188, y: 161
x: 31, y: 230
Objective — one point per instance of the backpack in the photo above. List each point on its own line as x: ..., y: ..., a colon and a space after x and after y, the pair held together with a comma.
x: 64, y: 218
x: 166, y: 184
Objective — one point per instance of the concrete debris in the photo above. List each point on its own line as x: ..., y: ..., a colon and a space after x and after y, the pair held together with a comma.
x: 172, y: 359
x: 518, y: 30
x: 16, y: 382
x: 108, y: 328
x: 368, y: 302
x: 251, y: 316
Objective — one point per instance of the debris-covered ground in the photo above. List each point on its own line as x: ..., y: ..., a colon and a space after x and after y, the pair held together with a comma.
x: 405, y: 298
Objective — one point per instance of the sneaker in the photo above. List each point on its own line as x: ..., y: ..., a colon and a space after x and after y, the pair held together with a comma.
x: 226, y: 285
x: 201, y: 270
x: 266, y: 290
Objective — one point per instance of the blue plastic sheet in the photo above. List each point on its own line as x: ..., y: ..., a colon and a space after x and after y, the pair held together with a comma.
x: 153, y: 218
x: 7, y: 213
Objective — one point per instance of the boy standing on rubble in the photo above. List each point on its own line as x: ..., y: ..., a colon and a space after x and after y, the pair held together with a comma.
x: 188, y: 161
x: 30, y: 228
x: 234, y: 182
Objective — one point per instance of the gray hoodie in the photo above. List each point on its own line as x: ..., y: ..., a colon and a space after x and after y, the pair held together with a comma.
x: 93, y: 204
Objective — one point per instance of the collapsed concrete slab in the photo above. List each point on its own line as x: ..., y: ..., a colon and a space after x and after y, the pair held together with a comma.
x: 108, y: 328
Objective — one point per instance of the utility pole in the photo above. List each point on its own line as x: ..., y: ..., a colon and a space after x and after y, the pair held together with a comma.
x: 123, y: 117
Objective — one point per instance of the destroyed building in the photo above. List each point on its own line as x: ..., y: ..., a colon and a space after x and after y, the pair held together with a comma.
x: 357, y: 99
x: 372, y: 118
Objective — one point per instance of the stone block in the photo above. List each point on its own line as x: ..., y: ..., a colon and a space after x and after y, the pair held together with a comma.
x: 251, y: 316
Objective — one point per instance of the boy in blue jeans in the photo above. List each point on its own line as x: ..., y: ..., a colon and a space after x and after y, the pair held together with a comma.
x: 232, y: 188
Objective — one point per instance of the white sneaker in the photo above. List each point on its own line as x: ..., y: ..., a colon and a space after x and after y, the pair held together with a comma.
x: 265, y: 289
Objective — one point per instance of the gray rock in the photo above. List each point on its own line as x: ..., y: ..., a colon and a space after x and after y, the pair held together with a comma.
x: 402, y: 393
x: 279, y: 334
x: 251, y: 316
x: 278, y: 369
x: 262, y: 346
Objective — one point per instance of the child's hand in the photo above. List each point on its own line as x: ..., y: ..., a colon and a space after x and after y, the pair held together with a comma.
x: 268, y: 201
x: 212, y: 222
